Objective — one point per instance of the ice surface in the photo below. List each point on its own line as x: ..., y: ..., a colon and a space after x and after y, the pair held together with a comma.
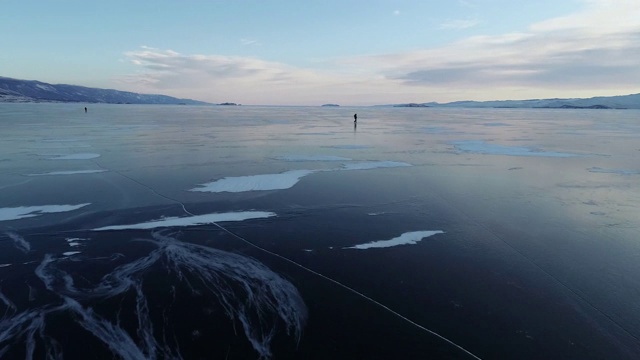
x: 351, y: 147
x: 193, y: 220
x: 409, y: 238
x: 367, y: 165
x: 84, y: 156
x: 296, y: 158
x: 483, y: 147
x: 508, y: 232
x: 22, y: 212
x: 70, y: 172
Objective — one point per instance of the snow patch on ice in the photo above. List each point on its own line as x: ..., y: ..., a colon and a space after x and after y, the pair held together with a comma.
x: 75, y: 242
x: 83, y: 156
x: 5, y: 265
x: 482, y: 147
x: 280, y: 181
x: 193, y: 220
x: 614, y: 171
x: 71, y: 172
x: 409, y: 238
x: 22, y: 212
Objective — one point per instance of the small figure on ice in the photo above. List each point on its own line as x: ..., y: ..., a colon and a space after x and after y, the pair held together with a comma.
x: 355, y: 118
x: 85, y: 109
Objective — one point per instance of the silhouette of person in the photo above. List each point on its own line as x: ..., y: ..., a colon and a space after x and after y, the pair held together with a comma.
x: 355, y: 117
x: 85, y: 109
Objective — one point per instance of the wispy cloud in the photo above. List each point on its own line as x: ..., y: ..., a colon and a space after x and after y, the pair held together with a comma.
x: 459, y: 24
x: 249, y: 42
x: 233, y: 78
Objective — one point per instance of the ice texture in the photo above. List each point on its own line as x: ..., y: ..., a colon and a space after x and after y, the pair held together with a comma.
x: 247, y: 291
x: 367, y: 165
x: 70, y: 172
x: 301, y: 158
x: 483, y: 147
x: 83, y: 156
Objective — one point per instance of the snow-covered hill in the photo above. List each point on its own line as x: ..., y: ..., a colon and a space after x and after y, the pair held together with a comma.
x: 15, y: 90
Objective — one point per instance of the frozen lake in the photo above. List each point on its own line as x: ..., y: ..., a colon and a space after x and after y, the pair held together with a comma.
x: 144, y: 232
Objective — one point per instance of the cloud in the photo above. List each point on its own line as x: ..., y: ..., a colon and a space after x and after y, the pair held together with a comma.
x: 589, y: 53
x: 592, y: 50
x: 220, y: 78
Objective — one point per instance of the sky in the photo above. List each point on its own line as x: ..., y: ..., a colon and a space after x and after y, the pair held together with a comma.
x: 312, y: 52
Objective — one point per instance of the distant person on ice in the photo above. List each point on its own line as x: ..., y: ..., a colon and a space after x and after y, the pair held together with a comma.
x: 85, y: 109
x: 355, y: 117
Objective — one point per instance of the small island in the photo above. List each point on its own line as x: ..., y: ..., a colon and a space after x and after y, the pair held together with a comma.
x: 228, y: 104
x: 331, y: 105
x: 411, y: 105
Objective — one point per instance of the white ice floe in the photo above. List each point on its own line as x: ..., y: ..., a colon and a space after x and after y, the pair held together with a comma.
x: 367, y: 165
x: 71, y: 172
x: 84, y: 156
x: 70, y: 253
x: 193, y: 220
x: 22, y: 212
x: 296, y: 158
x: 409, y: 238
x: 280, y: 181
x: 483, y: 147
x: 614, y: 171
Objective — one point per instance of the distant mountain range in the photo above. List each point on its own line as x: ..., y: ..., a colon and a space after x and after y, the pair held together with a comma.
x: 14, y: 90
x: 601, y: 102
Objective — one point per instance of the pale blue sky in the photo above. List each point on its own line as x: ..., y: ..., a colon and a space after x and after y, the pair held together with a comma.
x: 311, y: 52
